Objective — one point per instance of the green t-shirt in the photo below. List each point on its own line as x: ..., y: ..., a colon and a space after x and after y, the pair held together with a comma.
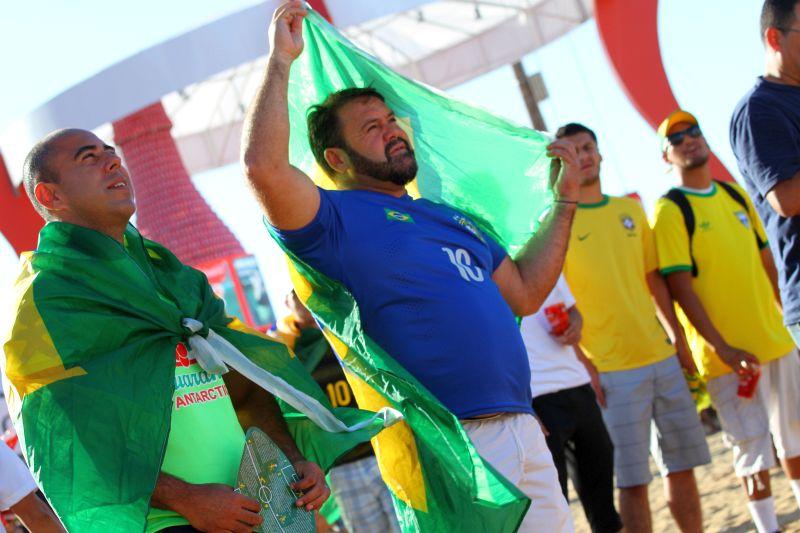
x: 205, y: 442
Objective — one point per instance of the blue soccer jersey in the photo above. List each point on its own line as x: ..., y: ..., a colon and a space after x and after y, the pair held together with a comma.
x: 420, y: 273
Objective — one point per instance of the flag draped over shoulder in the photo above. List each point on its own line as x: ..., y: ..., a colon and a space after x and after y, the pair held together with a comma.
x: 484, y: 166
x: 89, y: 371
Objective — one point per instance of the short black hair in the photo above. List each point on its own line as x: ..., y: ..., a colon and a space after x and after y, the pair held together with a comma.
x: 324, y: 128
x: 777, y: 14
x: 37, y: 169
x: 573, y: 128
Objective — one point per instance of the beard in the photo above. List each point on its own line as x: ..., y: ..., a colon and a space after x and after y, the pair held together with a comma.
x: 695, y: 162
x: 400, y: 169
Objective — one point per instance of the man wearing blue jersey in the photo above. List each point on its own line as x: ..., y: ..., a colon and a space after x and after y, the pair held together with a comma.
x: 434, y: 291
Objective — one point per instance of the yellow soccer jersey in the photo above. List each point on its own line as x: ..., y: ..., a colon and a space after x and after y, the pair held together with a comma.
x: 610, y: 250
x: 731, y: 283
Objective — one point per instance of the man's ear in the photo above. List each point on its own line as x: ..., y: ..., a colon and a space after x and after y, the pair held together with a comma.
x: 338, y: 159
x: 772, y: 39
x: 47, y: 194
x: 664, y: 157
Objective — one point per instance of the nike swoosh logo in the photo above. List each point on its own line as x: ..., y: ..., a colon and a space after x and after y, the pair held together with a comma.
x: 583, y: 237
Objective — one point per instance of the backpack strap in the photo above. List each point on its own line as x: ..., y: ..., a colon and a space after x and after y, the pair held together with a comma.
x: 678, y: 197
x: 739, y: 199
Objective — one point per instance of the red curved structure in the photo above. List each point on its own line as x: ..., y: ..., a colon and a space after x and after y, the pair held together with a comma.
x: 629, y: 31
x: 19, y: 222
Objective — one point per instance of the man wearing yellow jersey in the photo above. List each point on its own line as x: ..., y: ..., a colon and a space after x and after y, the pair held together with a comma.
x: 723, y: 276
x: 612, y: 269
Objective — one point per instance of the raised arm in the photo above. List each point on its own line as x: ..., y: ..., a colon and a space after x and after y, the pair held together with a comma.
x: 526, y: 281
x: 289, y: 198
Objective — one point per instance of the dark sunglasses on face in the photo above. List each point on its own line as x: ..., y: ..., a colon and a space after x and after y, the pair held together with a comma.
x: 677, y: 138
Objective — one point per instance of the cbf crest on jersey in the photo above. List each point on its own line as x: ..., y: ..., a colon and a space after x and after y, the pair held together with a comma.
x: 627, y: 222
x: 467, y: 224
x: 391, y: 214
x: 743, y: 218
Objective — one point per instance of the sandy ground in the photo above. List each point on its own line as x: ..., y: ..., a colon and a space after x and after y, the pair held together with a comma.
x: 723, y: 500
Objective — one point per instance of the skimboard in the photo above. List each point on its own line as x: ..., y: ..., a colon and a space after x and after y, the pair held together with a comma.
x: 266, y: 476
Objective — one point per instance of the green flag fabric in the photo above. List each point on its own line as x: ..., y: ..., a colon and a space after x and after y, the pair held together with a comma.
x: 89, y: 372
x: 492, y: 170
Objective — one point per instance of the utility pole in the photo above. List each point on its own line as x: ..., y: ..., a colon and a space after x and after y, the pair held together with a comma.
x: 530, y: 97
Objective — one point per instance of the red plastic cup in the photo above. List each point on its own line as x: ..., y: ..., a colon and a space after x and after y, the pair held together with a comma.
x: 558, y: 318
x: 748, y: 380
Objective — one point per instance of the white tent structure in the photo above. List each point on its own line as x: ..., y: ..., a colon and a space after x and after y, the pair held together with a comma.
x: 206, y: 77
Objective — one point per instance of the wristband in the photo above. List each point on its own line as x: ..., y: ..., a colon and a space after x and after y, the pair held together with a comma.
x: 571, y: 202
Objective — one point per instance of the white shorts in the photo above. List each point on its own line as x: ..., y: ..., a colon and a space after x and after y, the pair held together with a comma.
x: 773, y: 409
x: 514, y: 445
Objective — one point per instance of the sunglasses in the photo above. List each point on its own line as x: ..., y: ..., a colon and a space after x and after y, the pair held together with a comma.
x: 677, y: 138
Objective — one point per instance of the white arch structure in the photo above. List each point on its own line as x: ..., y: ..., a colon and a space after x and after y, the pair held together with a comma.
x: 206, y: 77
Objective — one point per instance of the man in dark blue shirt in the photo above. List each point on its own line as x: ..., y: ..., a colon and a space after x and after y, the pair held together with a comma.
x: 434, y: 291
x: 765, y: 135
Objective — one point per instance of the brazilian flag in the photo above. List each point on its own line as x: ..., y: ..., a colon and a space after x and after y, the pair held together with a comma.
x: 494, y: 171
x: 89, y: 366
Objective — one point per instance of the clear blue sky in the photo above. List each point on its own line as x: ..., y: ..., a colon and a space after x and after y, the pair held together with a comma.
x: 711, y: 49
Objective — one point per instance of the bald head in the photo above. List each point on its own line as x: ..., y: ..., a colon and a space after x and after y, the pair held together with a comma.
x: 38, y: 167
x: 73, y: 176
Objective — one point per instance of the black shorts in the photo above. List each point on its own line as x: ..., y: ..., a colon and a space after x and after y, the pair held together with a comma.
x: 582, y: 450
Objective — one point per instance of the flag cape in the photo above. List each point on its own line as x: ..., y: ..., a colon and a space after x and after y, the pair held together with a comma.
x: 486, y: 167
x: 89, y: 366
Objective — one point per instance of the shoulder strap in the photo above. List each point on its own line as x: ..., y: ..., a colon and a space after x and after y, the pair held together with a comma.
x: 739, y: 199
x: 677, y: 197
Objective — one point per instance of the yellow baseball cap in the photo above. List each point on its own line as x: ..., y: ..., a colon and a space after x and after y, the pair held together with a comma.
x: 674, y: 118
